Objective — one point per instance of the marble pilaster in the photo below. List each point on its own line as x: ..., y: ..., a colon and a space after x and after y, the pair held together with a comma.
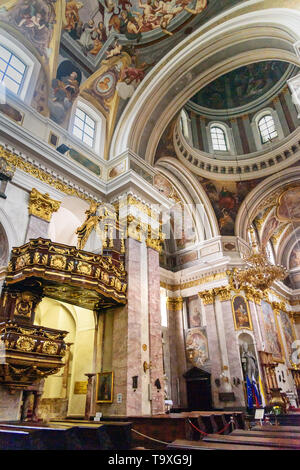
x: 178, y: 361
x: 214, y: 352
x: 155, y: 333
x: 233, y: 353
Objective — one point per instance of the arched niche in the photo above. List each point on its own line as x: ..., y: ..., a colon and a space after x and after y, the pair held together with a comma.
x: 59, y: 399
x: 248, y: 356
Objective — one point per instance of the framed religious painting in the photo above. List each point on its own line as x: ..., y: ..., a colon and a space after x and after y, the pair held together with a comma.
x: 272, y: 337
x: 105, y: 385
x: 241, y: 313
x: 288, y: 333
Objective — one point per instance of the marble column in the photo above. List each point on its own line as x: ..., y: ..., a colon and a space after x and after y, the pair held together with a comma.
x: 235, y: 368
x: 214, y: 350
x: 155, y: 333
x: 41, y: 208
x: 89, y: 396
x: 178, y: 355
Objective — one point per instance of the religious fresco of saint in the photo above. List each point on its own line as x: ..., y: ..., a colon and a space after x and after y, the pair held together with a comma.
x: 288, y: 333
x: 241, y: 86
x: 92, y: 24
x: 241, y: 313
x: 295, y: 257
x: 273, y: 339
x: 64, y: 91
x: 193, y: 311
x: 197, y: 346
x: 270, y: 228
x: 288, y: 208
x: 226, y: 198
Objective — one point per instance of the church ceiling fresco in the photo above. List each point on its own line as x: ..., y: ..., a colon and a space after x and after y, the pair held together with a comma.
x: 100, y: 49
x: 242, y: 86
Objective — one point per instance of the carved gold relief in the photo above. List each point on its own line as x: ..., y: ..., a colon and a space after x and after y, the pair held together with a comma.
x: 84, y: 268
x: 49, y: 347
x: 22, y: 261
x: 58, y: 262
x: 41, y: 205
x: 24, y: 305
x: 25, y: 343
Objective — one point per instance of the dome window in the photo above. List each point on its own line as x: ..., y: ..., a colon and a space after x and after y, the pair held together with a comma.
x: 218, y: 138
x: 267, y: 129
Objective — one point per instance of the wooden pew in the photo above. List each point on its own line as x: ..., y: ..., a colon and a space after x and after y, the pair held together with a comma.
x: 256, y: 441
x: 277, y: 434
x: 96, y: 436
x: 46, y: 438
x: 268, y: 427
x: 203, y: 445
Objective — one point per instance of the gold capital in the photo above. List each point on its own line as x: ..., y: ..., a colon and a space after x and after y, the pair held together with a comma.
x: 174, y: 303
x: 41, y: 205
x: 208, y: 296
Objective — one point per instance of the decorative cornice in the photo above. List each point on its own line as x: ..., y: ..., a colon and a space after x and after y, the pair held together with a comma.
x: 18, y: 162
x: 194, y: 283
x: 41, y: 205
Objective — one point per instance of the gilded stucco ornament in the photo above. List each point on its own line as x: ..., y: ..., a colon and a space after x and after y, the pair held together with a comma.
x: 207, y: 296
x: 41, y: 205
x: 174, y: 303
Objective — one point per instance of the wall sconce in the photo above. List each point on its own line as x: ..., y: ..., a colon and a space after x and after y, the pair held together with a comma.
x: 147, y: 366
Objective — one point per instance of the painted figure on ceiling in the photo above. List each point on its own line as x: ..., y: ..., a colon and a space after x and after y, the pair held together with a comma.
x: 86, y: 37
x: 72, y: 14
x: 99, y: 37
x: 34, y: 19
x: 65, y: 89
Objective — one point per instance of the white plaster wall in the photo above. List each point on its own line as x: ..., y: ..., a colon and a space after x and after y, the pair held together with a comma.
x: 15, y: 210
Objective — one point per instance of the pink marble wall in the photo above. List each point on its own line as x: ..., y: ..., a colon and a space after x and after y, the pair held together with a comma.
x: 214, y: 352
x: 178, y: 358
x: 119, y: 364
x: 233, y: 355
x: 174, y: 357
x: 134, y: 346
x: 155, y: 332
x: 36, y: 228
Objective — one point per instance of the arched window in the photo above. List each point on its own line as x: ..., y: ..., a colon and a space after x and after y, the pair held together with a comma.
x: 218, y: 138
x: 84, y: 127
x: 12, y: 70
x: 267, y: 129
x: 87, y: 124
